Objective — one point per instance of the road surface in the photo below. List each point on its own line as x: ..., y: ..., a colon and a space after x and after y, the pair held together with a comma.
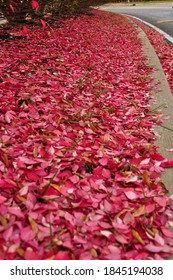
x: 160, y: 15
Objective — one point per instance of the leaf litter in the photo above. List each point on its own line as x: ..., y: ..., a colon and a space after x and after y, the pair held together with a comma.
x: 79, y: 171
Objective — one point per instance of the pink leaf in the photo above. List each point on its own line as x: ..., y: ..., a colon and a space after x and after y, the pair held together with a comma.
x: 167, y: 232
x: 106, y: 173
x: 16, y: 211
x: 106, y: 233
x: 68, y: 185
x: 51, y: 150
x: 103, y: 161
x: 27, y: 160
x: 74, y: 179
x: 43, y: 23
x: 131, y: 178
x: 69, y: 217
x: 2, y: 199
x: 107, y: 206
x: 145, y: 161
x: 153, y: 248
x: 9, y: 116
x: 159, y: 239
x: 156, y: 249
x: 8, y: 233
x: 150, y: 208
x: 27, y: 234
x: 62, y: 256
x: 131, y: 194
x: 121, y: 239
x: 5, y: 138
x: 128, y: 179
x: 30, y: 254
x: 12, y: 8
x: 161, y: 200
x: 80, y: 239
x: 104, y: 225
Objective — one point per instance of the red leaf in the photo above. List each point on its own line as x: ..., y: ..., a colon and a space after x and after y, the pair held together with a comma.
x: 25, y: 30
x: 30, y: 254
x: 34, y: 4
x: 32, y: 176
x: 62, y: 256
x: 167, y: 163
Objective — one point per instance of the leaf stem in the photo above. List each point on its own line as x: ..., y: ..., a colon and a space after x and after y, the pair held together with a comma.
x: 49, y: 183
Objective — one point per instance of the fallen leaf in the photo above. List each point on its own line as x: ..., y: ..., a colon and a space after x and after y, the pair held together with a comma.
x: 34, y: 4
x: 137, y: 237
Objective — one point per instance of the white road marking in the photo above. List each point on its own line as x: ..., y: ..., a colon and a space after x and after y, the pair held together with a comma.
x: 167, y: 36
x: 165, y: 20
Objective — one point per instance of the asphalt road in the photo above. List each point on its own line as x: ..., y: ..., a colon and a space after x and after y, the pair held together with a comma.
x: 160, y: 15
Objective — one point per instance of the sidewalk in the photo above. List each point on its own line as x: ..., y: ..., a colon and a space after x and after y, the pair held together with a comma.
x: 80, y: 172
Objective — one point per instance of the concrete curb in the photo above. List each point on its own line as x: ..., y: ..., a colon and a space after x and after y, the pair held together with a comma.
x: 164, y: 98
x: 166, y: 36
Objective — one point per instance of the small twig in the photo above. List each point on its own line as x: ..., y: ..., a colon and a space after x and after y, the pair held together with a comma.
x: 50, y: 182
x: 168, y: 128
x: 155, y: 109
x: 51, y: 234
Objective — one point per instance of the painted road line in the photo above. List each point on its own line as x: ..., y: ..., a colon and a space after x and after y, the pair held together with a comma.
x: 167, y: 36
x: 166, y: 20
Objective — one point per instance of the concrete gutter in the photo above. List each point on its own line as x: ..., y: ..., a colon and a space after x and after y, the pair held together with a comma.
x: 164, y: 98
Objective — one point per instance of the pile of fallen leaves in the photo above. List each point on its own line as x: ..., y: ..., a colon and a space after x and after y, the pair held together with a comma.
x: 79, y: 171
x: 163, y: 48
